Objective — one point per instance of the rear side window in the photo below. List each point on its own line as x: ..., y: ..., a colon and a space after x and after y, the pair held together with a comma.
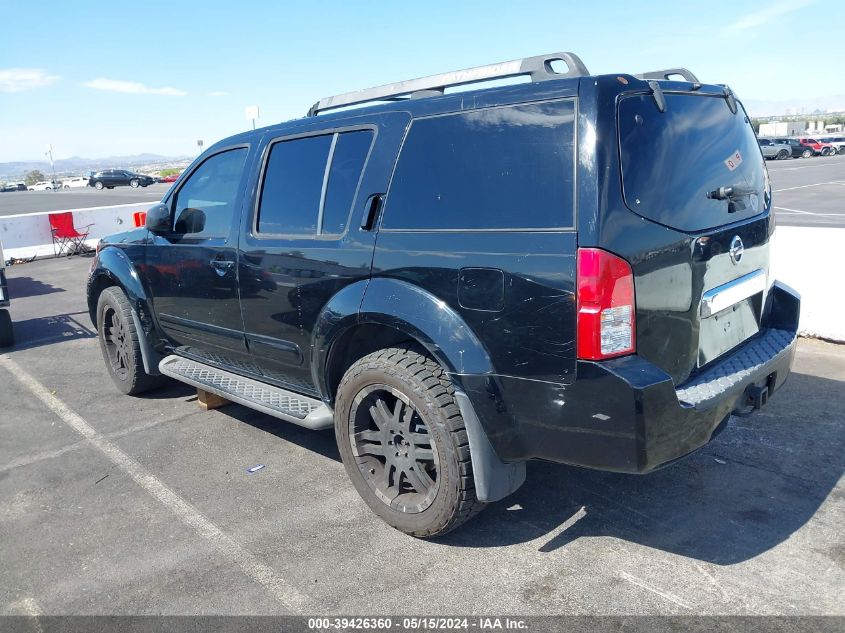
x: 310, y: 183
x: 498, y: 168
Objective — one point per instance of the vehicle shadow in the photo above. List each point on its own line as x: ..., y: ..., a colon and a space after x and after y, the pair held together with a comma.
x: 20, y: 287
x: 761, y: 480
x: 50, y: 330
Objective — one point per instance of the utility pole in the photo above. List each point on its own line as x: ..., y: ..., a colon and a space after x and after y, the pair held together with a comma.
x: 49, y: 153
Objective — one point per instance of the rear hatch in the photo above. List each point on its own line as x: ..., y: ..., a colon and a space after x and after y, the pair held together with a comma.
x: 692, y: 168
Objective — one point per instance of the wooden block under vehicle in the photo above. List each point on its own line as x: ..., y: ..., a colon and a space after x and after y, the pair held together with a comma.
x: 208, y: 400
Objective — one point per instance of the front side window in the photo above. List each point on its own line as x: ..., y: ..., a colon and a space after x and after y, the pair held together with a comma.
x: 205, y: 204
x: 508, y: 167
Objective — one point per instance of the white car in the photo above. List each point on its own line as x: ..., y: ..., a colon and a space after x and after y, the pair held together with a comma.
x: 45, y: 185
x: 72, y: 183
x: 838, y: 142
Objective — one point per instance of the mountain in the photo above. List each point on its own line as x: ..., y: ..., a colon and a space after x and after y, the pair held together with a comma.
x: 76, y: 164
x: 809, y: 106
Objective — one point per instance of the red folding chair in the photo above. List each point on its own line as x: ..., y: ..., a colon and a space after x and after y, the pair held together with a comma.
x: 66, y: 237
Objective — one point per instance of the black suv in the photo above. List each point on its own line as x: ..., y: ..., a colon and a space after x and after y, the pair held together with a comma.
x: 799, y: 149
x: 111, y: 178
x: 574, y: 269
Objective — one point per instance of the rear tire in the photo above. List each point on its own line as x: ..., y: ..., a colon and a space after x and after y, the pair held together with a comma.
x: 98, y: 185
x: 120, y: 344
x: 806, y: 153
x: 403, y: 442
x: 7, y: 332
x: 134, y: 183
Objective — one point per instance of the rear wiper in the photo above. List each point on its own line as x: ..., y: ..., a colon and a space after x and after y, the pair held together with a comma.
x: 729, y: 193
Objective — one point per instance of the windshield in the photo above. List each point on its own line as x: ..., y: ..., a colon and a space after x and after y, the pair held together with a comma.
x: 672, y: 160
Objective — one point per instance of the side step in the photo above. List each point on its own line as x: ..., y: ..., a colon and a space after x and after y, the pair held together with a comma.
x: 280, y: 403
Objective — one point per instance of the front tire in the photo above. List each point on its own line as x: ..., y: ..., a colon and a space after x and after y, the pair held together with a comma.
x: 782, y: 154
x: 403, y: 442
x: 7, y: 332
x: 120, y: 344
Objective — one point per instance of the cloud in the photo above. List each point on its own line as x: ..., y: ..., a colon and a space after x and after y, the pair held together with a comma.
x: 131, y: 87
x: 218, y: 93
x: 20, y: 79
x: 768, y: 14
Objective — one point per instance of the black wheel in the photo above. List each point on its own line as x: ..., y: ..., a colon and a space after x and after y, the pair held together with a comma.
x: 7, y: 333
x: 403, y: 442
x: 119, y: 344
x: 98, y: 185
x: 783, y: 154
x: 134, y: 183
x: 807, y: 153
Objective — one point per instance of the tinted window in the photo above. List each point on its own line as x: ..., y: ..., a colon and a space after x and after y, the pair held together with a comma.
x: 205, y: 204
x: 497, y: 168
x: 293, y: 182
x: 672, y: 159
x: 350, y: 153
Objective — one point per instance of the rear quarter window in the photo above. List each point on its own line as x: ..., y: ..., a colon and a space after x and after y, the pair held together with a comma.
x: 499, y: 168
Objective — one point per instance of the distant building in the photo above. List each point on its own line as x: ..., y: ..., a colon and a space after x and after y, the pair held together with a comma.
x: 783, y: 128
x: 835, y: 128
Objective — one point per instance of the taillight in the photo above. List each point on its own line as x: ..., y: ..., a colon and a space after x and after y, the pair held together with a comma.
x: 606, y: 309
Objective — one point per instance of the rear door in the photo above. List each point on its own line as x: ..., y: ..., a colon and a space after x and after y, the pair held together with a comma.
x: 301, y: 241
x: 192, y: 272
x: 695, y: 175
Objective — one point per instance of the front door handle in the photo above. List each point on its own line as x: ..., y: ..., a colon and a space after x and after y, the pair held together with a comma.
x: 222, y: 266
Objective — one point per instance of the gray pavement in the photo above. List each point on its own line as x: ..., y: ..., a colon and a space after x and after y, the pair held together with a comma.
x: 119, y: 505
x: 809, y: 191
x: 15, y: 202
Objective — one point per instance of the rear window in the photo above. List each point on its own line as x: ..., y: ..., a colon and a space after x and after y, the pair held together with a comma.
x: 500, y: 168
x: 672, y: 159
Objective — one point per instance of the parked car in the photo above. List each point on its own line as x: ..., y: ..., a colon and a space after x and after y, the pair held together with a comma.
x: 820, y: 148
x: 13, y: 186
x: 772, y: 149
x: 459, y: 283
x: 799, y: 149
x: 111, y: 178
x: 46, y: 185
x: 7, y: 335
x: 78, y: 181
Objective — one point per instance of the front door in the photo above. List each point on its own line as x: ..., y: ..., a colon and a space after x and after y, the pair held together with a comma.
x: 302, y: 242
x: 192, y: 271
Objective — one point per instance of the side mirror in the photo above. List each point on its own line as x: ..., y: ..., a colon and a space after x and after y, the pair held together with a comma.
x: 158, y: 219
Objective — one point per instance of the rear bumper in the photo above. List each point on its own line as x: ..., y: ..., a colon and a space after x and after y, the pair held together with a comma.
x: 626, y: 414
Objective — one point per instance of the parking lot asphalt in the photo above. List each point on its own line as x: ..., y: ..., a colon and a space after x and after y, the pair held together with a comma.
x: 118, y: 505
x: 809, y: 191
x: 16, y: 202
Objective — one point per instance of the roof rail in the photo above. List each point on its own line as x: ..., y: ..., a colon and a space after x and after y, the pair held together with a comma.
x: 539, y: 68
x: 665, y: 74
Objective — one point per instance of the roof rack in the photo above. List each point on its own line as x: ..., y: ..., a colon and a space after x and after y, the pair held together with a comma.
x: 665, y: 74
x: 539, y: 68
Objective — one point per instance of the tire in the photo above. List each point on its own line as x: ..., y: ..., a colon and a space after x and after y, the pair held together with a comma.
x: 98, y: 186
x: 783, y: 154
x: 825, y: 151
x: 120, y: 345
x: 134, y: 183
x: 806, y: 153
x: 398, y: 399
x: 7, y: 332
x: 66, y: 187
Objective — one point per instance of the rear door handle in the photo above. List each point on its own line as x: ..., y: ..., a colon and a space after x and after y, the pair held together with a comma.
x: 222, y: 266
x: 373, y: 207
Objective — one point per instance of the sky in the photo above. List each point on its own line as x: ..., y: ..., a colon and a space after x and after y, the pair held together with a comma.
x: 97, y: 79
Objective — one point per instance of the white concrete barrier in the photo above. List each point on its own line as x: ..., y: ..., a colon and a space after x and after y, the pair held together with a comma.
x: 27, y: 235
x: 807, y: 258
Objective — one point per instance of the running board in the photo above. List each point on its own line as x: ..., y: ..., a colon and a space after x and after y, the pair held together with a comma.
x: 280, y: 403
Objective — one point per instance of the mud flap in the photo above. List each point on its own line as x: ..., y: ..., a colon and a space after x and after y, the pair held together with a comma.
x: 494, y: 479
